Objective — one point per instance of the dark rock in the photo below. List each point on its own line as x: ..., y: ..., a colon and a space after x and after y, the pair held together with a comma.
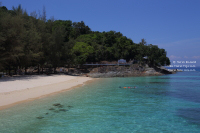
x: 70, y: 106
x: 51, y: 109
x: 56, y: 104
x: 56, y: 111
x: 64, y: 110
x: 129, y: 71
x: 46, y: 113
x: 60, y: 106
x: 40, y: 117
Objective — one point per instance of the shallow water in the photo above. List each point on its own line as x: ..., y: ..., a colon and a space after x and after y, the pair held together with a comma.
x: 159, y: 104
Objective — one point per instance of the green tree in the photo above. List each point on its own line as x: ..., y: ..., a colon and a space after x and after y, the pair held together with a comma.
x: 55, y: 47
x: 79, y: 29
x: 32, y: 49
x: 156, y: 56
x: 11, y: 39
x: 81, y: 52
x: 35, y: 41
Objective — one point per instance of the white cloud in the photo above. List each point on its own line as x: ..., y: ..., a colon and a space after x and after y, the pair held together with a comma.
x: 174, y: 57
x: 185, y: 57
x: 196, y: 57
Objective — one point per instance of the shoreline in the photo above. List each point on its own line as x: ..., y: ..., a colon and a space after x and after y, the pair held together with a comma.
x: 15, y: 91
x: 132, y: 71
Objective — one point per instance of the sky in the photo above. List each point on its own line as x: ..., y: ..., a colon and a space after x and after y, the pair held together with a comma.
x: 171, y: 24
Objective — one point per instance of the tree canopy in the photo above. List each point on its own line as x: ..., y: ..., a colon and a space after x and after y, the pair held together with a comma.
x: 32, y: 40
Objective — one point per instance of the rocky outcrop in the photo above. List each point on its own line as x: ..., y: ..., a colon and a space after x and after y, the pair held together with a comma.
x: 125, y: 71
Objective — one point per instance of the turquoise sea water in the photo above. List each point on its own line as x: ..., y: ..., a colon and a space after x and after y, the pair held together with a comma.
x: 169, y: 103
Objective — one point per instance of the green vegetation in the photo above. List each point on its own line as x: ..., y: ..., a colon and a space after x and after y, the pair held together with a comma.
x: 31, y: 40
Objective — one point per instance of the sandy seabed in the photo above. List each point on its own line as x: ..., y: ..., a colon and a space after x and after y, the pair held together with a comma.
x: 15, y: 90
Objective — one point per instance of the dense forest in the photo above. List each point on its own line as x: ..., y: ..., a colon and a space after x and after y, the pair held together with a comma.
x: 32, y: 40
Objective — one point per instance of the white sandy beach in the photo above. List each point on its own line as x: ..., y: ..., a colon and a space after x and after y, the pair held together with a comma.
x: 19, y: 89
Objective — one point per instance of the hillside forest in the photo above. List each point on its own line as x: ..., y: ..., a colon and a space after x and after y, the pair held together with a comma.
x: 31, y: 40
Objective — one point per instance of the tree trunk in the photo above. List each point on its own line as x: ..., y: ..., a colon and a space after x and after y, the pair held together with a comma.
x: 16, y: 71
x: 25, y: 70
x: 38, y: 69
x: 54, y: 70
x: 9, y: 71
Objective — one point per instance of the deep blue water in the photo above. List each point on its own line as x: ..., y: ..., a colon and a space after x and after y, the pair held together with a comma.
x: 169, y: 103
